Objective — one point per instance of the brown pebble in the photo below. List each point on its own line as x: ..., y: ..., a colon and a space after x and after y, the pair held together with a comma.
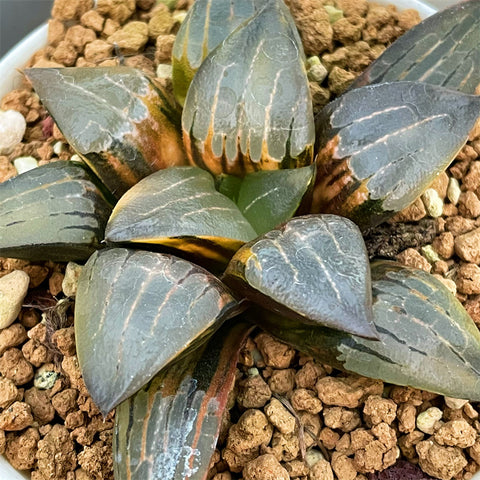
x: 472, y: 306
x: 65, y: 401
x: 378, y: 409
x: 40, y: 404
x: 64, y: 339
x: 37, y: 353
x: 17, y: 416
x: 444, y: 245
x: 282, y: 381
x: 305, y: 400
x: 253, y: 392
x: 14, y: 366
x: 347, y: 392
x: 469, y: 205
x: 275, y: 353
x: 21, y: 448
x: 265, y: 467
x: 12, y: 336
x: 97, y: 51
x: 468, y: 279
x: 411, y: 258
x: 467, y: 246
x: 459, y: 225
x: 92, y: 19
x: 56, y: 453
x: 438, y: 461
x: 8, y: 392
x: 340, y: 418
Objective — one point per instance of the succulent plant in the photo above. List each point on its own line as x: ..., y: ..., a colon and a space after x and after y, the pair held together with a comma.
x: 189, y: 245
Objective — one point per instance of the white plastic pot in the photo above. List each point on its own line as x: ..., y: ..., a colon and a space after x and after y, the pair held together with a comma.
x: 10, y: 78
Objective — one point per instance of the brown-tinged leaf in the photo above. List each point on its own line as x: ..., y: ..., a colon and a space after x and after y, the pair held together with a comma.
x: 53, y: 212
x: 169, y: 429
x: 180, y: 208
x: 426, y: 338
x: 313, y: 269
x: 382, y: 145
x: 249, y: 106
x: 442, y: 50
x: 135, y: 312
x: 206, y: 25
x: 116, y: 118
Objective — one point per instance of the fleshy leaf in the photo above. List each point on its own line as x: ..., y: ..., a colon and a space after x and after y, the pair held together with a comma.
x: 313, y: 269
x: 169, y: 429
x: 206, y: 25
x: 427, y: 339
x: 123, y: 124
x: 381, y: 146
x: 135, y: 312
x: 179, y: 207
x: 53, y: 212
x: 249, y: 106
x: 442, y: 50
x: 267, y: 199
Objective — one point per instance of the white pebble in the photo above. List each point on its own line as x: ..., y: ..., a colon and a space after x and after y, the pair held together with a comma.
x: 334, y: 14
x: 24, y: 164
x: 58, y: 147
x: 253, y: 372
x: 433, y: 203
x: 426, y: 420
x: 313, y: 456
x: 317, y: 73
x: 45, y: 378
x: 453, y: 190
x: 13, y: 289
x: 76, y: 158
x: 455, y: 403
x: 179, y: 16
x: 430, y: 254
x: 164, y: 71
x: 70, y: 280
x: 12, y: 130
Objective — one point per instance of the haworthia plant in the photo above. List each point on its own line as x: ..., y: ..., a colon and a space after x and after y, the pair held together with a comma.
x: 179, y: 207
x: 206, y: 25
x: 427, y: 339
x: 123, y: 126
x: 184, y: 406
x: 443, y: 50
x: 313, y: 269
x: 53, y: 212
x: 248, y: 108
x: 381, y: 146
x: 254, y: 112
x: 135, y: 312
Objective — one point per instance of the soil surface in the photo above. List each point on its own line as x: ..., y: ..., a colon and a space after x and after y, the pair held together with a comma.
x: 290, y: 417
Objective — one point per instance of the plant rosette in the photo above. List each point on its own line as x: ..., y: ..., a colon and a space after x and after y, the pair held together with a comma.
x: 200, y: 230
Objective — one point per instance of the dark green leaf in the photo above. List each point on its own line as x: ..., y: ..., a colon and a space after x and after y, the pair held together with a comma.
x: 427, y: 339
x: 249, y: 106
x: 228, y: 185
x: 115, y: 117
x: 135, y: 312
x: 443, y: 50
x: 381, y: 146
x: 206, y: 25
x: 169, y: 429
x: 179, y: 207
x: 313, y: 269
x: 267, y: 199
x: 53, y: 212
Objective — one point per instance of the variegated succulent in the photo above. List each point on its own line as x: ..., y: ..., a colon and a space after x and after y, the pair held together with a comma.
x: 157, y: 334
